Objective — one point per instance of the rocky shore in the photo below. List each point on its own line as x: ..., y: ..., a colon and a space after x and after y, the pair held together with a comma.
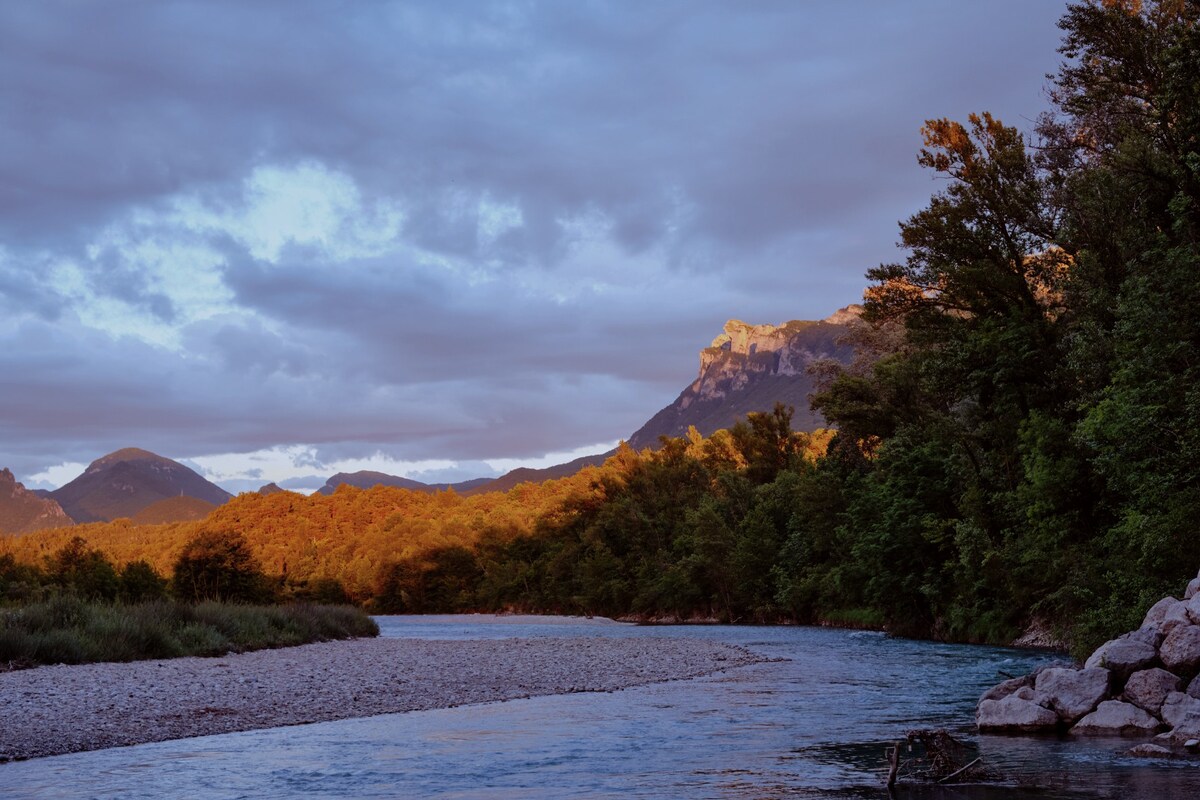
x: 1143, y: 683
x: 64, y: 709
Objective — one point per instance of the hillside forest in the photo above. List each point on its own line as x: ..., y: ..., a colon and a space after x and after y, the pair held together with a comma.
x: 1017, y: 442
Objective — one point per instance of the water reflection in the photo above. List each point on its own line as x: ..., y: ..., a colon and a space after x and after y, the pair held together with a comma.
x: 814, y: 725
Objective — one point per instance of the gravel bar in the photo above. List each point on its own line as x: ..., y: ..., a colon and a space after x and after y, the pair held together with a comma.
x: 68, y: 709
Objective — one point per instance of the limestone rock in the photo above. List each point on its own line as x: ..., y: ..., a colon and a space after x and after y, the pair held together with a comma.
x: 1147, y: 750
x: 750, y: 368
x: 1193, y: 588
x: 1182, y: 713
x: 1123, y: 656
x: 1115, y: 718
x: 1074, y: 693
x: 1148, y: 688
x: 1180, y: 651
x: 1151, y: 636
x: 1034, y: 696
x: 1165, y: 616
x: 1158, y: 612
x: 1192, y: 607
x: 1176, y: 617
x: 1193, y: 689
x: 1012, y: 714
x: 1003, y: 690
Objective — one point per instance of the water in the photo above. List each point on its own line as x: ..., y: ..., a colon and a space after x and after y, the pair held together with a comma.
x: 813, y: 726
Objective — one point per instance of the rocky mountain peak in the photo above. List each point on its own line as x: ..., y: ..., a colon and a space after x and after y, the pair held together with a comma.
x: 847, y: 315
x: 22, y: 511
x: 750, y: 368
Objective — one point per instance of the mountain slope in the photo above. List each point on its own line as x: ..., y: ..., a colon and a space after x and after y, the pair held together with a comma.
x: 24, y: 511
x: 529, y: 475
x: 124, y: 482
x: 174, y: 509
x: 747, y: 368
x: 366, y: 479
x: 750, y: 368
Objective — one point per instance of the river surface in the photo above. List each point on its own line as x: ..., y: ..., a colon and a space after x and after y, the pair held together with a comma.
x: 813, y: 724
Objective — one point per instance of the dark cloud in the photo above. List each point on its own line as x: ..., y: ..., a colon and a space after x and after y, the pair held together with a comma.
x: 588, y: 190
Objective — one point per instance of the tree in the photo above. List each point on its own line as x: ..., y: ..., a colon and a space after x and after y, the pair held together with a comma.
x: 139, y: 583
x: 218, y: 565
x: 83, y: 570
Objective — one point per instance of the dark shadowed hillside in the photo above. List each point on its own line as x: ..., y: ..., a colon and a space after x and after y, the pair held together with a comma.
x: 367, y: 479
x: 528, y: 475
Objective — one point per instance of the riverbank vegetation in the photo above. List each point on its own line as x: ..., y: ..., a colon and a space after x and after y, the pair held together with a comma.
x: 1017, y: 442
x: 68, y: 630
x: 79, y: 608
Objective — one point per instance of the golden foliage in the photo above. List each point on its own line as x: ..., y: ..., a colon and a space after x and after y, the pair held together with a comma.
x: 348, y: 536
x: 353, y: 535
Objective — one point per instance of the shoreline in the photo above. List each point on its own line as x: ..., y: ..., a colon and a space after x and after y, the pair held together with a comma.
x: 54, y: 710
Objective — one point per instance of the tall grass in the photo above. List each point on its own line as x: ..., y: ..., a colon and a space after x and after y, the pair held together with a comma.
x: 67, y: 630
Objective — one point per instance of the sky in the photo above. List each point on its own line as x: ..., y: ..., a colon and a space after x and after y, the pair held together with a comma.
x: 278, y: 240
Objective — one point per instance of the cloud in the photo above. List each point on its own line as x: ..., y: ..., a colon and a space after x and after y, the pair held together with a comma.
x: 423, y: 232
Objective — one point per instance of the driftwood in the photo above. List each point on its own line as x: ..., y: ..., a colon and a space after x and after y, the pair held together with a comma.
x: 934, y: 756
x: 894, y: 758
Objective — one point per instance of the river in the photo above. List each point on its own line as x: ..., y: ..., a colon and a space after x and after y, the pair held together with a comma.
x: 813, y: 724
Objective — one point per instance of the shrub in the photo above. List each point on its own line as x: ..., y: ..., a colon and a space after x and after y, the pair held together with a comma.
x: 68, y: 630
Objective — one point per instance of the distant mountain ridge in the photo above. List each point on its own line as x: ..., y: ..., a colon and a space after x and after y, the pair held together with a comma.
x: 746, y: 368
x: 366, y: 479
x: 126, y: 481
x: 521, y: 475
x: 24, y: 511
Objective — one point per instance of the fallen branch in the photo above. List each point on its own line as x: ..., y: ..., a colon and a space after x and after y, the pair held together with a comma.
x: 959, y: 771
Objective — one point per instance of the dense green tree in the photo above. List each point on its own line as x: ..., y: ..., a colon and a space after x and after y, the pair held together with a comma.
x: 139, y: 583
x: 218, y: 565
x: 82, y: 570
x: 18, y: 582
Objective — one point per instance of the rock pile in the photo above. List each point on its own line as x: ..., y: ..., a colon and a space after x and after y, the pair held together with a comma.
x: 1141, y: 683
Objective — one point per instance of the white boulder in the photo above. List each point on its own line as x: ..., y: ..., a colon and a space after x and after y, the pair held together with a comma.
x: 1074, y: 692
x: 1125, y: 655
x: 1180, y: 650
x: 1148, y: 688
x: 1114, y: 718
x: 1012, y: 714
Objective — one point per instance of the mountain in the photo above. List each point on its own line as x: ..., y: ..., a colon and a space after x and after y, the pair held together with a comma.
x: 529, y: 475
x: 747, y: 368
x: 365, y: 479
x: 123, y: 483
x: 271, y: 488
x: 751, y: 368
x: 24, y: 511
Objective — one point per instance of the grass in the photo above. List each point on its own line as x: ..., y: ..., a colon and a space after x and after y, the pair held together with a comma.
x: 863, y: 618
x: 67, y: 630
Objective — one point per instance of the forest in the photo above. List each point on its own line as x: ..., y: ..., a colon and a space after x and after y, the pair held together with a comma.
x: 1017, y: 443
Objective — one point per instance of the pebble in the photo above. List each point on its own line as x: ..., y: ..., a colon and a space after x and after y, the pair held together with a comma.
x: 52, y: 710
